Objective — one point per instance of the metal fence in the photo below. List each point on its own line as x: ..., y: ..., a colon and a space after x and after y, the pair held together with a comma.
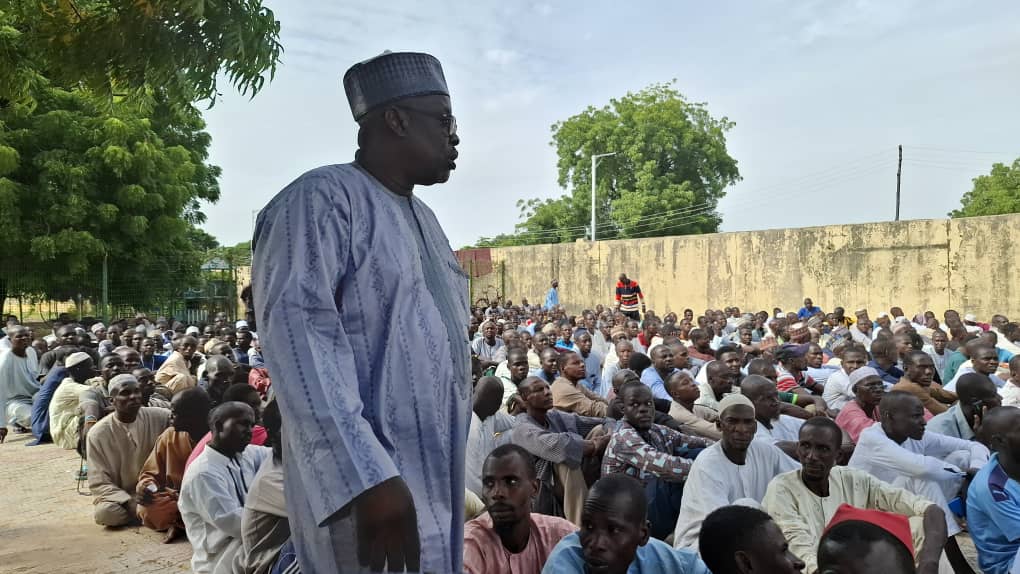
x: 189, y: 293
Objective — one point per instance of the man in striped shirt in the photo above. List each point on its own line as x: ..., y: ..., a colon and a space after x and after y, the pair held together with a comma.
x: 628, y: 296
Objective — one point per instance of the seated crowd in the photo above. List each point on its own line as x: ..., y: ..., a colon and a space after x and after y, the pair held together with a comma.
x: 599, y: 442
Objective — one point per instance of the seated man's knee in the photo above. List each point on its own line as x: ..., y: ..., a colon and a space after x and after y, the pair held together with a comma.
x: 111, y: 514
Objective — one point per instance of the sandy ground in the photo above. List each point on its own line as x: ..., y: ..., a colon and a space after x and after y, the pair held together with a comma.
x: 46, y: 527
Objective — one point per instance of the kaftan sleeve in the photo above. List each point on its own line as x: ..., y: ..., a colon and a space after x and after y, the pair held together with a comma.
x: 782, y: 504
x: 302, y: 253
x: 556, y: 447
x: 103, y: 477
x: 216, y: 502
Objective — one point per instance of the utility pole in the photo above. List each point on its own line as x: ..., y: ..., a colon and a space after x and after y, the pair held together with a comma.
x: 899, y: 171
x: 594, y: 165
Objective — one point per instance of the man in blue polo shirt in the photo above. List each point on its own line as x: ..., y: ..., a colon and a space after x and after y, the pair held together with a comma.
x: 993, y: 499
x: 808, y: 310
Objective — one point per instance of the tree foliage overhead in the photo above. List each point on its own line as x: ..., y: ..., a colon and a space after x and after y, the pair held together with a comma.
x: 994, y: 194
x: 128, y: 47
x: 103, y: 155
x: 670, y: 169
x: 79, y: 184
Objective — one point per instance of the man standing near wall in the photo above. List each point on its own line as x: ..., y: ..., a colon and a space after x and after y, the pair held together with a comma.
x: 628, y: 295
x: 552, y: 298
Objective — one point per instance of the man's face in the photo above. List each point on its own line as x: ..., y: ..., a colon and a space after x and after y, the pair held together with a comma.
x: 549, y: 363
x: 999, y: 321
x: 537, y: 395
x: 766, y: 404
x: 132, y: 359
x: 908, y: 420
x: 518, y: 367
x: 922, y: 371
x: 100, y: 334
x: 66, y: 336
x: 633, y: 328
x: 902, y: 345
x: 235, y: 434
x: 573, y: 369
x: 681, y: 357
x: 507, y: 490
x: 808, y: 303
x: 732, y: 362
x: 863, y: 318
x: 939, y: 342
x: 228, y: 336
x: 128, y: 400
x: 566, y: 332
x: 651, y: 330
x: 610, y: 535
x: 986, y: 360
x: 540, y: 342
x: 683, y: 389
x: 662, y: 359
x: 638, y: 407
x: 489, y: 331
x: 624, y: 352
x: 244, y: 339
x: 746, y: 337
x: 817, y: 450
x: 221, y: 376
x: 584, y: 343
x: 431, y: 139
x: 883, y: 322
x: 853, y: 360
x: 870, y: 390
x: 111, y: 366
x: 20, y: 340
x: 771, y: 553
x: 187, y: 350
x: 815, y: 357
x: 738, y: 426
x: 114, y: 335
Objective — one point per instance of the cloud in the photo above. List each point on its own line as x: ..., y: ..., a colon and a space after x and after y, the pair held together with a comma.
x: 502, y: 57
x: 543, y: 8
x: 514, y: 98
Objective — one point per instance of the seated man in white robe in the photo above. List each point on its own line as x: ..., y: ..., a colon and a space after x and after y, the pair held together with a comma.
x: 778, y: 429
x: 931, y: 465
x: 490, y: 428
x: 216, y: 485
x: 804, y: 501
x: 117, y: 447
x: 735, y: 468
x: 18, y: 384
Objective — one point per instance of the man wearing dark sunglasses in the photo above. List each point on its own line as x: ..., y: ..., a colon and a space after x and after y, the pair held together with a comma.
x: 363, y: 316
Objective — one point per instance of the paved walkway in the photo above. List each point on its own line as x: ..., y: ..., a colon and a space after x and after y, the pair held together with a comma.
x: 47, y: 528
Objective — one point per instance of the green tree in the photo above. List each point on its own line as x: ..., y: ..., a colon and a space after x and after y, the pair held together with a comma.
x: 993, y: 194
x: 670, y: 169
x: 133, y: 47
x: 79, y: 184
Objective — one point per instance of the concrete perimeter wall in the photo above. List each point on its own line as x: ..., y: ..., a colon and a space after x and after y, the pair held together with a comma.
x: 967, y: 264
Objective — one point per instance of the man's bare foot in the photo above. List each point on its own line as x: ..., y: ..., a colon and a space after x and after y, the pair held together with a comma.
x: 173, y: 534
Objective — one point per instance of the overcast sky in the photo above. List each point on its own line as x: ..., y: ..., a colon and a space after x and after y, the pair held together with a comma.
x: 821, y: 92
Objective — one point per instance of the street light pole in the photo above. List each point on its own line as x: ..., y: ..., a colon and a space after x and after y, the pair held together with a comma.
x: 594, y: 165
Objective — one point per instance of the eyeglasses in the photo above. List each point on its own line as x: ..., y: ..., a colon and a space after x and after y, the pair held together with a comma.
x: 448, y: 121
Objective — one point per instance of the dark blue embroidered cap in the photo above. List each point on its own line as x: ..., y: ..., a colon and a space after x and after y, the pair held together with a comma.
x: 392, y: 76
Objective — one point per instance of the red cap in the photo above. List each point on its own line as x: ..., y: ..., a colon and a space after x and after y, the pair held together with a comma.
x: 895, y: 524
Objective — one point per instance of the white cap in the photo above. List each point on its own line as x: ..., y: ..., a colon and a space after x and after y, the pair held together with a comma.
x: 882, y: 314
x: 192, y: 330
x: 97, y: 326
x: 241, y: 323
x: 75, y: 358
x: 970, y: 317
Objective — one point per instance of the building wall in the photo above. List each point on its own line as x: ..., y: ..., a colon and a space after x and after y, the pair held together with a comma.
x: 967, y: 264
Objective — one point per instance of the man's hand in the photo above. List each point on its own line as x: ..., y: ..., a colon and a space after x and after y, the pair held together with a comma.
x: 3, y: 434
x: 144, y: 497
x: 387, y: 528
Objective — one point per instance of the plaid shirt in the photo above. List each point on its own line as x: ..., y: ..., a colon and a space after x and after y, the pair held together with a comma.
x: 661, y: 452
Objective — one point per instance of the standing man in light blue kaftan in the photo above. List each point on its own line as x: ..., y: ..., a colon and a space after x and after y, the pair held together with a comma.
x: 363, y: 316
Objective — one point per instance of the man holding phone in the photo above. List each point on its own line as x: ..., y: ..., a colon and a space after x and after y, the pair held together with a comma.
x: 978, y: 395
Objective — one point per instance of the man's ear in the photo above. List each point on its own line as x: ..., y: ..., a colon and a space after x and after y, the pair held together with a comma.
x: 396, y: 121
x: 645, y: 532
x: 743, y: 562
